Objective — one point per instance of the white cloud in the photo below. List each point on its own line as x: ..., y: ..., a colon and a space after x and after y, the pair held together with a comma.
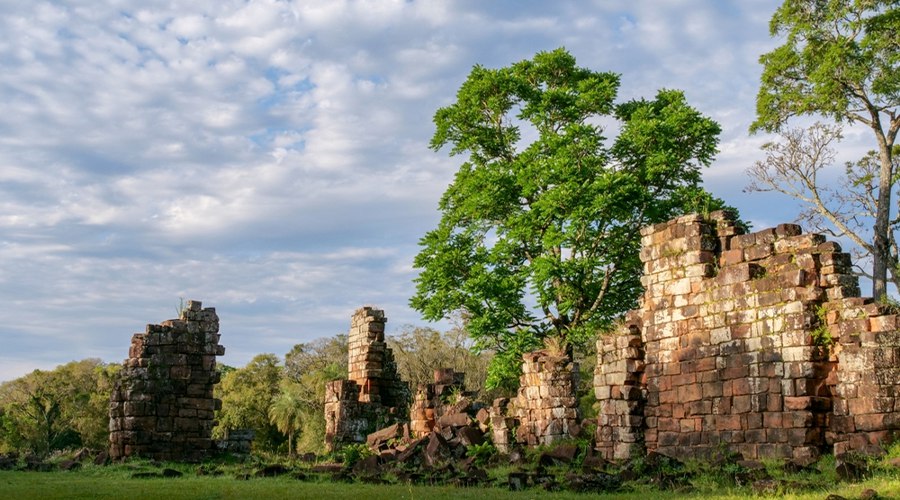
x: 271, y: 157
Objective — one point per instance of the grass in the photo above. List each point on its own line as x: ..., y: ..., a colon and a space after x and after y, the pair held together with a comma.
x: 99, y: 484
x: 228, y: 478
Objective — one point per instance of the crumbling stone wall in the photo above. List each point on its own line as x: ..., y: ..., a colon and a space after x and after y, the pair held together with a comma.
x: 432, y: 401
x: 755, y: 342
x: 546, y: 406
x: 374, y: 395
x: 163, y: 406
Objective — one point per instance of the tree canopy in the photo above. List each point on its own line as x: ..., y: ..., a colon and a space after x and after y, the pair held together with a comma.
x: 841, y: 60
x: 538, y: 234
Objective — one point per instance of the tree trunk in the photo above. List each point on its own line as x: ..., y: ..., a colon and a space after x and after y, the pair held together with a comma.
x: 881, y: 256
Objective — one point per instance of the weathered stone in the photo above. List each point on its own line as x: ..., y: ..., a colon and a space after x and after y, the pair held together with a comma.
x: 740, y: 355
x: 163, y: 406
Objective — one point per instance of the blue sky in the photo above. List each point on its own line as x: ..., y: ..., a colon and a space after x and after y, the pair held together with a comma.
x: 270, y: 157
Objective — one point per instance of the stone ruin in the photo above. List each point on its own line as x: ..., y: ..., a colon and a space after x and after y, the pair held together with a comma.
x: 374, y: 395
x: 546, y: 409
x: 163, y: 406
x: 758, y: 343
x: 433, y: 401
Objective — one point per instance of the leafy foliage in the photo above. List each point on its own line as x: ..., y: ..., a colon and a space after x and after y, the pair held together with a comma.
x: 418, y: 351
x: 841, y: 60
x: 246, y: 394
x: 62, y: 408
x: 540, y: 239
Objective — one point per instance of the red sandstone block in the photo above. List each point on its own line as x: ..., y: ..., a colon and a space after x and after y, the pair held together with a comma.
x: 732, y: 257
x: 728, y: 422
x: 774, y: 402
x: 684, y: 379
x: 870, y: 422
x: 755, y: 436
x: 702, y: 407
x: 798, y: 419
x: 740, y: 404
x: 740, y: 387
x: 712, y: 390
x: 798, y: 403
x: 667, y: 424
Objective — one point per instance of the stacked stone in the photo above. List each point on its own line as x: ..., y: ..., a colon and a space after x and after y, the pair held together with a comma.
x: 163, y: 406
x: 374, y: 393
x: 546, y: 406
x: 237, y: 441
x: 867, y: 393
x: 758, y: 342
x: 729, y: 356
x: 430, y: 401
x: 347, y: 420
x: 502, y: 425
x: 620, y: 392
x: 366, y: 350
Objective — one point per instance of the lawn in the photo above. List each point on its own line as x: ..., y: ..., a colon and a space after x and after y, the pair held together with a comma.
x: 117, y: 483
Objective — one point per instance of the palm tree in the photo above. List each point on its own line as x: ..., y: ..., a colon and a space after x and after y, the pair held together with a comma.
x: 285, y: 413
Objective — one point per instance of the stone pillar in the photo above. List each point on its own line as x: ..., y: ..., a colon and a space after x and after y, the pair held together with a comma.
x: 546, y: 405
x: 366, y: 352
x: 374, y: 394
x: 163, y: 406
x: 621, y: 394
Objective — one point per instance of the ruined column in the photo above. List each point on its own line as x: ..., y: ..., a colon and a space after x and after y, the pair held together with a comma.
x: 163, y: 406
x: 546, y: 405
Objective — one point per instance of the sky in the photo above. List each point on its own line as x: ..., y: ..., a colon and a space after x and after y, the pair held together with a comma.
x: 270, y: 157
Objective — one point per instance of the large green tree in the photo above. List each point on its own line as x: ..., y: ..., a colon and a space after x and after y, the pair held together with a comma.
x: 61, y: 408
x: 246, y: 394
x: 539, y: 232
x: 841, y: 60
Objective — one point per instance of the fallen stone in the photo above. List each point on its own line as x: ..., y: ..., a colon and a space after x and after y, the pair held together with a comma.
x: 851, y: 468
x: 517, y: 481
x: 376, y: 439
x: 562, y: 454
x: 171, y: 473
x: 367, y: 467
x: 273, y: 470
x: 469, y: 436
x: 308, y: 457
x: 868, y: 494
x: 412, y: 450
x: 453, y: 420
x: 102, y: 458
x: 436, y: 451
x: 69, y: 465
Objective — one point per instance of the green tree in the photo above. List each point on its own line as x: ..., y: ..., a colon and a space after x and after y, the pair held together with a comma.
x: 539, y: 238
x: 246, y: 394
x: 64, y: 407
x: 308, y: 368
x: 286, y: 413
x: 419, y: 351
x: 840, y: 60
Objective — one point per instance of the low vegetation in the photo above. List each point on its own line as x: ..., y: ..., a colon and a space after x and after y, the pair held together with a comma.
x: 542, y: 471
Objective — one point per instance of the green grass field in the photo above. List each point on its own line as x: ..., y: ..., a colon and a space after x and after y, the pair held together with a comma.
x: 116, y: 483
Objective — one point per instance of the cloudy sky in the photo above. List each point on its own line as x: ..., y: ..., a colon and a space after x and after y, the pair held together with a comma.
x: 269, y: 157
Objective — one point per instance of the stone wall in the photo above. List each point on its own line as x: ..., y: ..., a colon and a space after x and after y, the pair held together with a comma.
x: 374, y: 395
x: 753, y: 342
x: 431, y: 401
x: 546, y: 406
x: 163, y: 407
